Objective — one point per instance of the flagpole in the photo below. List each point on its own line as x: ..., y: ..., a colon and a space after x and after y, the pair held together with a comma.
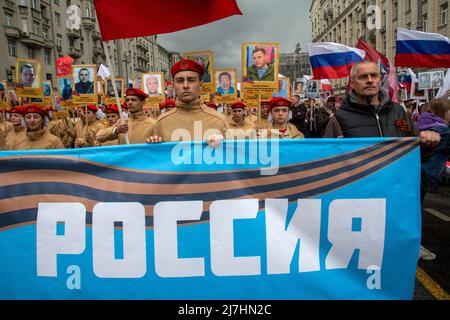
x: 116, y: 94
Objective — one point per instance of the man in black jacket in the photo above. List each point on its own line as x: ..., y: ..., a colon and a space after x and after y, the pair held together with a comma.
x: 368, y: 111
x: 298, y: 113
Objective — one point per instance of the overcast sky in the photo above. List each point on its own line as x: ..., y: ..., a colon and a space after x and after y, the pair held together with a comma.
x: 283, y: 21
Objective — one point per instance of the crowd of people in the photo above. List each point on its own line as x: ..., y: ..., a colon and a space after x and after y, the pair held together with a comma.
x: 366, y: 111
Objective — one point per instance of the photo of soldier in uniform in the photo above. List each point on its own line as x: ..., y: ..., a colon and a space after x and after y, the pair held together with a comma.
x: 110, y: 88
x: 424, y: 80
x: 437, y: 79
x: 84, y: 79
x: 225, y: 81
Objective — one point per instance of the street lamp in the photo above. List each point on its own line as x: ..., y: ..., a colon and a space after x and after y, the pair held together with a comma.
x: 127, y: 60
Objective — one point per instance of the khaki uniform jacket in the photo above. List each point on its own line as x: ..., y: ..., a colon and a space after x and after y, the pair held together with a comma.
x: 140, y: 127
x: 291, y: 133
x: 241, y: 131
x: 6, y: 126
x: 92, y: 128
x: 38, y: 140
x: 185, y: 116
x: 12, y: 137
x: 265, y: 123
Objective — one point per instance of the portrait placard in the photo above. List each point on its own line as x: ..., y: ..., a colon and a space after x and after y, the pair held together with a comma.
x: 260, y: 66
x: 153, y: 84
x: 28, y: 78
x: 84, y: 79
x: 110, y: 98
x: 206, y: 59
x: 65, y: 85
x: 226, y: 85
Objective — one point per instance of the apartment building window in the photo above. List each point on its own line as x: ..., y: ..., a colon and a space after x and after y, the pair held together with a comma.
x: 23, y: 3
x: 8, y: 19
x: 82, y: 48
x: 408, y: 5
x: 12, y: 49
x: 56, y: 2
x: 24, y: 24
x: 44, y: 11
x: 67, y: 3
x: 34, y: 4
x: 444, y: 13
x: 36, y: 27
x: 72, y: 43
x: 30, y: 52
x: 45, y: 33
x: 59, y: 40
x: 47, y: 56
x: 58, y: 19
x: 425, y: 22
x: 87, y: 12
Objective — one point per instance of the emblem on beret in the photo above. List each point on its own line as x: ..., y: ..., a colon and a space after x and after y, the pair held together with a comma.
x: 184, y: 65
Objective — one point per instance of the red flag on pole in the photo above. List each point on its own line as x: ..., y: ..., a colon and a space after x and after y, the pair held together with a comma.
x: 119, y: 19
x: 388, y: 72
x: 64, y: 66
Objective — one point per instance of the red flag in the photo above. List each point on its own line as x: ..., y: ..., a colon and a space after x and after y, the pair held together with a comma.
x: 119, y: 19
x: 388, y: 72
x: 64, y: 66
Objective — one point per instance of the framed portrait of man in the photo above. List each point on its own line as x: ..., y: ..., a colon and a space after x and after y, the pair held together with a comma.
x: 47, y: 91
x: 260, y: 62
x: 65, y: 87
x: 226, y: 85
x: 84, y: 79
x: 437, y: 79
x: 28, y: 78
x: 12, y: 98
x: 424, y: 80
x: 154, y: 85
x: 205, y: 59
x: 110, y: 98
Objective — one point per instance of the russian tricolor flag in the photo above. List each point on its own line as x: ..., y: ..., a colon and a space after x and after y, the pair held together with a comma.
x: 422, y: 50
x: 333, y: 60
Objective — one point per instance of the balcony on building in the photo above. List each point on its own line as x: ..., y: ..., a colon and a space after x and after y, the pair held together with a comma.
x: 12, y: 32
x: 143, y: 56
x: 74, y: 53
x: 9, y: 5
x: 88, y: 23
x: 73, y: 34
x: 31, y: 39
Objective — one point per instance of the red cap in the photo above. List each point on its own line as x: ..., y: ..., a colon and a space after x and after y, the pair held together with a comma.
x: 135, y: 92
x: 169, y: 104
x: 92, y: 107
x: 213, y: 106
x: 124, y: 106
x: 238, y: 105
x: 112, y: 109
x: 187, y: 65
x: 32, y: 108
x: 18, y: 110
x: 279, y: 102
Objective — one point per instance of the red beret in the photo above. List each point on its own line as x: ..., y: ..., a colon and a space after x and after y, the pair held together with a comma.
x: 168, y: 104
x: 18, y: 110
x: 187, y: 65
x: 279, y: 102
x: 31, y: 108
x: 92, y: 107
x: 124, y: 106
x: 213, y: 106
x: 135, y: 92
x: 238, y: 105
x: 112, y: 109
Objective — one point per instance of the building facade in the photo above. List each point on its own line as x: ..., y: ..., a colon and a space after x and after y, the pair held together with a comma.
x: 50, y: 29
x: 345, y: 21
x: 294, y: 65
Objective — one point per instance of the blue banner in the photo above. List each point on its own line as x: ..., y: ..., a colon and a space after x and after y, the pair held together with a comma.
x: 290, y: 219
